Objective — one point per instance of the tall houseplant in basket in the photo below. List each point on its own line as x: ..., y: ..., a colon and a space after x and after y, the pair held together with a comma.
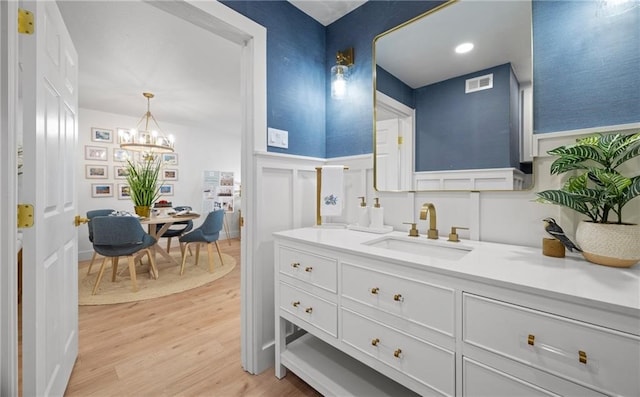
x: 143, y: 183
x: 599, y: 190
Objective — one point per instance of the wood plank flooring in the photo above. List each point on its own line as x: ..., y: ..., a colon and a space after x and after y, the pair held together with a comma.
x: 185, y: 344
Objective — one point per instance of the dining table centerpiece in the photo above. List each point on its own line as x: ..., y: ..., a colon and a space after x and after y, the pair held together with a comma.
x: 143, y: 183
x: 605, y: 177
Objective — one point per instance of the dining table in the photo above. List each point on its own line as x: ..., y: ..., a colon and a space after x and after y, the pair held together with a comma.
x: 166, y: 221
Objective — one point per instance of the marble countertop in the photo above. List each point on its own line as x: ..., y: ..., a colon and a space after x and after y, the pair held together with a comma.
x: 503, y: 265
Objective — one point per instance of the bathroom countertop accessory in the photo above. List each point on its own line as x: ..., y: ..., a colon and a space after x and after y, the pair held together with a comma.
x: 413, y: 232
x: 453, y: 236
x: 430, y: 209
x: 377, y: 215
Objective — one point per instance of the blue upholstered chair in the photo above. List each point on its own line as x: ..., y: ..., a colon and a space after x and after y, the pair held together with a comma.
x: 208, y: 233
x: 178, y: 228
x: 116, y: 236
x: 90, y: 215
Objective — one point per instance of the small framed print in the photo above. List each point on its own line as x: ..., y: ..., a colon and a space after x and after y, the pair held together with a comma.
x: 120, y: 172
x: 95, y: 153
x: 166, y: 189
x: 102, y: 135
x: 170, y: 158
x: 96, y: 172
x: 121, y: 155
x: 170, y: 174
x: 102, y: 190
x: 124, y: 191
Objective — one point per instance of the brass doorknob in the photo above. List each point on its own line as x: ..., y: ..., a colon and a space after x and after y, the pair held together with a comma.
x: 78, y: 220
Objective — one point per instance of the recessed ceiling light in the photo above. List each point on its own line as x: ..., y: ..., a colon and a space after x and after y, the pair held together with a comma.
x: 464, y: 48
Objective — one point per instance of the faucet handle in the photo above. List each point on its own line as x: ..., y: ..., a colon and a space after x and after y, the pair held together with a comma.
x: 453, y: 236
x: 413, y: 232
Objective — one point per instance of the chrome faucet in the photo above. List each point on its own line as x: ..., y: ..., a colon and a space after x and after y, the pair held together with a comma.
x: 432, y: 233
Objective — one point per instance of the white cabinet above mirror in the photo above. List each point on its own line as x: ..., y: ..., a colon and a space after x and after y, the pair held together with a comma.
x: 450, y: 121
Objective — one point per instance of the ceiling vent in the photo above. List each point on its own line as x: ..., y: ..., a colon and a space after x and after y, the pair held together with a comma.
x: 479, y: 83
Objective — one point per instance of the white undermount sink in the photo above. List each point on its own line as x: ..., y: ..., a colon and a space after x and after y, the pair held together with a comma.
x: 421, y: 246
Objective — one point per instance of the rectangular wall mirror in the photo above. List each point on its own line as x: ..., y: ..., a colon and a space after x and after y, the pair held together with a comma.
x: 446, y: 119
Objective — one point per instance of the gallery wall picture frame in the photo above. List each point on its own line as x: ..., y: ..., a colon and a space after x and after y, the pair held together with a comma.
x: 120, y: 172
x: 166, y: 189
x: 95, y: 153
x: 170, y: 158
x: 121, y: 155
x: 102, y: 190
x: 124, y: 191
x: 92, y: 171
x: 170, y: 174
x: 101, y: 135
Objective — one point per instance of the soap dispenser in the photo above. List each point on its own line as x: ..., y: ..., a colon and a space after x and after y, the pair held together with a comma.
x: 377, y: 215
x: 363, y: 213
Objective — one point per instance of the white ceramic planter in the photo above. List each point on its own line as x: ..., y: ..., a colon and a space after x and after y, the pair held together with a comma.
x: 609, y: 244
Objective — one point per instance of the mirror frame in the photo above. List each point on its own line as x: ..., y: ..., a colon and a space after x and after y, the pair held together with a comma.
x: 527, y: 187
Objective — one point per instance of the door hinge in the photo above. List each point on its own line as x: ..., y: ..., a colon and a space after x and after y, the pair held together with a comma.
x: 241, y: 221
x: 400, y: 140
x: 25, y: 21
x: 25, y: 215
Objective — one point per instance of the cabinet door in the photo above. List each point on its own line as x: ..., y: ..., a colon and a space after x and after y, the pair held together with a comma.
x: 481, y: 380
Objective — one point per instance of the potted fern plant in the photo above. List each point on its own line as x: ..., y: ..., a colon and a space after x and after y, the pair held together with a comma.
x: 143, y: 183
x: 599, y: 190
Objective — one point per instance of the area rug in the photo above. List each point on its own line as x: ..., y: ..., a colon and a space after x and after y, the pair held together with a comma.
x: 169, y: 282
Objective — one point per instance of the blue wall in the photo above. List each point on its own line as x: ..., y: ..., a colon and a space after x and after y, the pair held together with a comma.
x: 296, y: 73
x: 447, y: 117
x: 586, y: 66
x: 391, y: 86
x: 585, y: 70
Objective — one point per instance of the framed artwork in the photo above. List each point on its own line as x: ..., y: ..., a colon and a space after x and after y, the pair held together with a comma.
x: 120, y: 172
x: 101, y: 135
x: 102, y: 190
x: 95, y: 153
x: 124, y: 191
x: 170, y: 158
x: 166, y: 189
x: 121, y: 155
x: 170, y: 174
x: 96, y: 172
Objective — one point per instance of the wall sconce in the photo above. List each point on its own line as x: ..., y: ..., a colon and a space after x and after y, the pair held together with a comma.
x: 340, y: 73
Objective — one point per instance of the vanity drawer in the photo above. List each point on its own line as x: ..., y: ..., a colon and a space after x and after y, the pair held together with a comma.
x: 311, y: 268
x: 420, y: 302
x: 309, y: 308
x: 592, y: 355
x: 426, y: 363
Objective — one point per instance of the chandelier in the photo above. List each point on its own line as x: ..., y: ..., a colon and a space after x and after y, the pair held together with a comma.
x: 146, y: 140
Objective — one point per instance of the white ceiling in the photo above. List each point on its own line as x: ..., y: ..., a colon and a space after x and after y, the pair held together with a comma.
x: 327, y: 12
x: 126, y: 48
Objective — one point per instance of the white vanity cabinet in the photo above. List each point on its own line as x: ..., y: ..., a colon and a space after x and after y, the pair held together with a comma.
x: 375, y: 322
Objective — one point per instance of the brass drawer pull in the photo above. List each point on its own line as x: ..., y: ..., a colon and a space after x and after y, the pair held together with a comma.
x: 582, y: 357
x: 308, y: 309
x: 375, y: 342
x: 308, y: 269
x: 375, y: 290
x: 531, y: 339
x: 295, y: 265
x: 295, y: 304
x: 397, y: 353
x: 398, y: 298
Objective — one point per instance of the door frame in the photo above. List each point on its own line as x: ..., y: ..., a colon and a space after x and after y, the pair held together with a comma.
x: 225, y: 22
x: 8, y: 201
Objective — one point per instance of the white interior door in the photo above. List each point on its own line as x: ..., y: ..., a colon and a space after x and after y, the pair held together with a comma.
x: 49, y: 102
x: 387, y: 155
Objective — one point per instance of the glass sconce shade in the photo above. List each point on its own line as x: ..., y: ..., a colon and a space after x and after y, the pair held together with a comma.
x: 339, y: 77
